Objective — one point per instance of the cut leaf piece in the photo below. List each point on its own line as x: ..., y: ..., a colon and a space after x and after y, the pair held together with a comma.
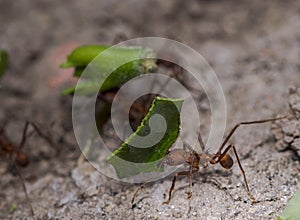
x: 111, y: 68
x: 83, y: 55
x: 145, y: 148
x: 292, y: 210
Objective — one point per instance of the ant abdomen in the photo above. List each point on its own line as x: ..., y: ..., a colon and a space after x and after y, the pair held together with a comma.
x: 21, y: 159
x: 226, y: 161
x: 176, y: 157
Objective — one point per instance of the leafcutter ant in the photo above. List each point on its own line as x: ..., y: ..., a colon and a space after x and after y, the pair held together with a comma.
x: 17, y: 155
x: 194, y: 160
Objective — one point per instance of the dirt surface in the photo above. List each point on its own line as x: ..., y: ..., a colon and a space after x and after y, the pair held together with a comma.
x: 254, y: 49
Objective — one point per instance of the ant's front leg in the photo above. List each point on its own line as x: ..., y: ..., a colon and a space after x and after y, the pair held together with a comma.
x: 38, y: 131
x: 226, y: 161
x: 183, y: 173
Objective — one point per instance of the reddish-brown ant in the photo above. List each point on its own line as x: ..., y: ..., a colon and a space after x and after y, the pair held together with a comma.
x: 194, y: 160
x: 16, y: 154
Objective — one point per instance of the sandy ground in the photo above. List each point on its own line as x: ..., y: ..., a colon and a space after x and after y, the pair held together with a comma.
x: 254, y: 49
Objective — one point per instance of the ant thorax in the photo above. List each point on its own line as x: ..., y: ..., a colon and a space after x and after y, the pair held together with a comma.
x: 205, y: 159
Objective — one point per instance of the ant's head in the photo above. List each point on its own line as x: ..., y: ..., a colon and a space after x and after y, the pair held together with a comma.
x: 226, y: 161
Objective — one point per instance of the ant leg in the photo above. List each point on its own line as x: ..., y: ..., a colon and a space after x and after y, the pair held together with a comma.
x: 201, y: 142
x: 183, y: 173
x: 191, y: 185
x: 192, y: 171
x: 241, y: 168
x: 136, y: 191
x: 244, y: 123
x: 173, y: 184
x: 39, y: 132
x: 244, y: 175
x: 21, y: 158
x: 143, y: 184
x: 25, y: 190
x: 24, y: 135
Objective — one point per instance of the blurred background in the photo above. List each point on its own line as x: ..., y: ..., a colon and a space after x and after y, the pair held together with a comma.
x: 254, y: 48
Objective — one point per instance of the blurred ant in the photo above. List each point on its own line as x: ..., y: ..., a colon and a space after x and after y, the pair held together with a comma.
x: 177, y: 157
x: 140, y: 107
x: 16, y: 154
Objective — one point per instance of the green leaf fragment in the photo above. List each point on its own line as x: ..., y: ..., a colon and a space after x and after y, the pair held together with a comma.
x: 3, y: 62
x: 110, y: 69
x: 130, y: 160
x: 13, y: 207
x: 83, y: 55
x: 78, y: 71
x: 85, y: 88
x: 292, y: 211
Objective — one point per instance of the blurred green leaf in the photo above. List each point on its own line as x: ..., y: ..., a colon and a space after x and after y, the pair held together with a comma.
x: 83, y: 55
x: 130, y: 160
x: 3, y: 62
x: 13, y: 207
x: 105, y: 69
x: 292, y: 210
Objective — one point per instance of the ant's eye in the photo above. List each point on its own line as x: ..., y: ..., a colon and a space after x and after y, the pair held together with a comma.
x: 226, y: 161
